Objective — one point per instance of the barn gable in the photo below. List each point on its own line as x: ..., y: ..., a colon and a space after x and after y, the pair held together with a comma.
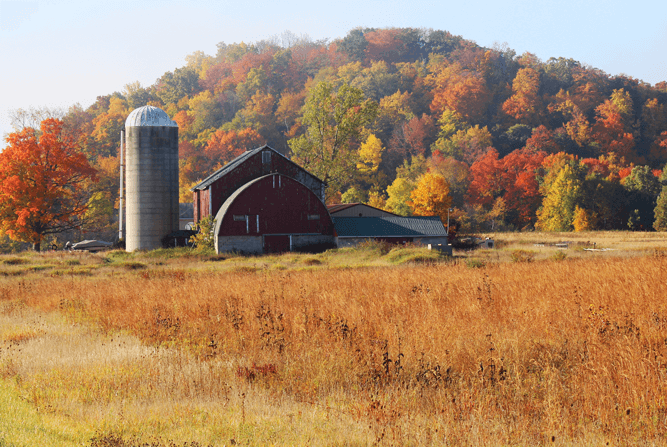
x: 273, y: 213
x: 211, y: 193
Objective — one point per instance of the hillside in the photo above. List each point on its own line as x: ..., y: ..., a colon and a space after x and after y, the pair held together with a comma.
x: 506, y: 131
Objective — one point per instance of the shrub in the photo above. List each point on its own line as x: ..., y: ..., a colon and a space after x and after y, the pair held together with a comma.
x: 382, y: 247
x: 133, y: 265
x: 660, y: 252
x: 523, y: 256
x: 559, y: 256
x: 15, y: 261
x: 475, y: 263
x: 204, y: 239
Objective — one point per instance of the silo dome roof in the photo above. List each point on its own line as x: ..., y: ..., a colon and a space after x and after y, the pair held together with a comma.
x: 149, y: 116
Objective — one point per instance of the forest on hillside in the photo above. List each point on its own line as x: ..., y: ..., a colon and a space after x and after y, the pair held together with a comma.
x: 512, y: 141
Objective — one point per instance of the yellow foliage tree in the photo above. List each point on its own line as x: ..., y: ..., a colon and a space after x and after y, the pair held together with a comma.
x: 583, y: 220
x: 560, y: 200
x: 431, y: 196
x: 370, y: 155
x: 399, y: 196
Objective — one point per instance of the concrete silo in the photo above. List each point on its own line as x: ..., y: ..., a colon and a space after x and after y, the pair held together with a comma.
x: 151, y: 173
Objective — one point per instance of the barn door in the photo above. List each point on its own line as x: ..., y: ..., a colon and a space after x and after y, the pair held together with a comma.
x: 276, y: 243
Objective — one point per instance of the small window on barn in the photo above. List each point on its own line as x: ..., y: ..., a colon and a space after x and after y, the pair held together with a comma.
x: 266, y: 157
x: 313, y: 217
x: 239, y: 218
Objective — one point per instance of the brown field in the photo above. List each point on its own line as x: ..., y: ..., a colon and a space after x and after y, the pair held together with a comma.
x: 355, y: 347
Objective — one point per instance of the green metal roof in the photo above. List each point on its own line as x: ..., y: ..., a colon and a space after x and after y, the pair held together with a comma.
x: 416, y: 226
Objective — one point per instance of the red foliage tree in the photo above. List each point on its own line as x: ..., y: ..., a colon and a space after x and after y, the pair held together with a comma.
x: 409, y: 138
x: 542, y: 139
x: 512, y: 178
x: 42, y: 183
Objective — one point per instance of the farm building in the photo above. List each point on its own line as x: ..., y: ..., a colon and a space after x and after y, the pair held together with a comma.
x: 357, y: 210
x: 426, y: 230
x: 213, y: 191
x: 262, y: 203
x: 272, y: 214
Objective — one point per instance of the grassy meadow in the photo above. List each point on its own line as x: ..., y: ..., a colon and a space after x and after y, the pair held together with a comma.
x: 526, y: 344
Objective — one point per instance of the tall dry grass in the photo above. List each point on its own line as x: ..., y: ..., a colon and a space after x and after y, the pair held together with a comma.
x: 569, y: 352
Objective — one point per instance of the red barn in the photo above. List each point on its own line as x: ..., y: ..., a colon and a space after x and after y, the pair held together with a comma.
x: 273, y: 213
x: 211, y: 193
x: 263, y: 203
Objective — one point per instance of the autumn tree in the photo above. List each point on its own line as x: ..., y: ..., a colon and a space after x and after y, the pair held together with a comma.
x: 106, y: 133
x: 468, y: 145
x: 411, y: 137
x: 513, y: 179
x: 460, y: 90
x: 525, y: 105
x: 542, y: 139
x: 457, y: 174
x: 370, y: 156
x: 583, y: 220
x: 643, y: 189
x: 399, y: 196
x: 431, y: 196
x: 223, y: 146
x: 660, y: 211
x: 403, y: 185
x: 612, y: 129
x: 560, y: 201
x: 334, y: 120
x: 42, y: 179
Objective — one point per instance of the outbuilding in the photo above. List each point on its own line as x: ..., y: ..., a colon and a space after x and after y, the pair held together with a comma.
x: 425, y: 230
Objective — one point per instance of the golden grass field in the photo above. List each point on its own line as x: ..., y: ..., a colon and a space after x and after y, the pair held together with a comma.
x: 521, y: 345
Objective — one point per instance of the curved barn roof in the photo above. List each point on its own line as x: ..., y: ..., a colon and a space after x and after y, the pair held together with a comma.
x: 149, y: 116
x: 230, y: 200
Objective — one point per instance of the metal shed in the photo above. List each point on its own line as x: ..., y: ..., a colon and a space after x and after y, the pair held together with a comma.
x: 395, y: 229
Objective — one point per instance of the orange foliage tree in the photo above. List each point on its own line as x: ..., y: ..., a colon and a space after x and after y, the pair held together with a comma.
x: 460, y: 90
x: 385, y: 44
x: 431, y: 196
x: 525, y: 105
x: 42, y: 183
x: 613, y: 125
x: 224, y: 146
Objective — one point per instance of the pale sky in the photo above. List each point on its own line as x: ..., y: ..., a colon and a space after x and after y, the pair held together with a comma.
x: 59, y: 53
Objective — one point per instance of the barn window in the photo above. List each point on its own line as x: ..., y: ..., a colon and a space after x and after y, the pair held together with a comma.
x: 266, y: 157
x: 239, y: 218
x: 313, y: 217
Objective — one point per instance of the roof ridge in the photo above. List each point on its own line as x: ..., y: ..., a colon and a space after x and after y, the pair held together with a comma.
x: 229, y: 165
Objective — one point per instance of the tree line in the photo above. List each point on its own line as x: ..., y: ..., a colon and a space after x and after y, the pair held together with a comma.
x: 386, y: 115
